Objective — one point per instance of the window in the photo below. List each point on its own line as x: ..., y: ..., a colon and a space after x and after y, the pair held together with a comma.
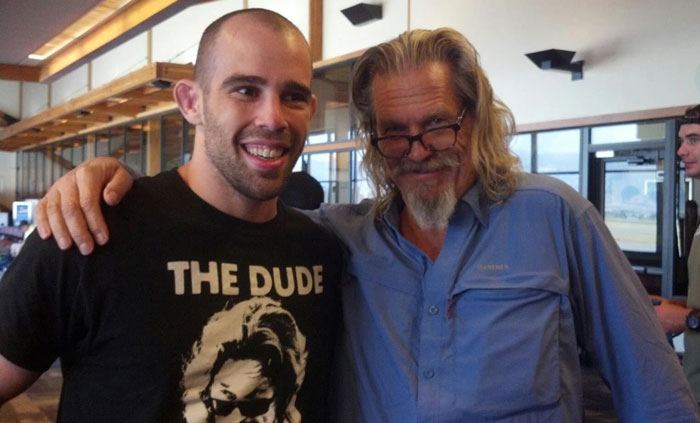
x: 559, y: 155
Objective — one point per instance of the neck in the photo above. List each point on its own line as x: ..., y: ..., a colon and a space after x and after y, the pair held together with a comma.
x: 204, y: 180
x: 428, y: 240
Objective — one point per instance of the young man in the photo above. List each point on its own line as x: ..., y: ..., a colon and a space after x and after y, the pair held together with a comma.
x: 214, y: 302
x: 472, y: 286
x: 675, y: 316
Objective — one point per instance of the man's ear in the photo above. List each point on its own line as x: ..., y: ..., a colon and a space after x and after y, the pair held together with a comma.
x: 314, y: 103
x: 188, y: 96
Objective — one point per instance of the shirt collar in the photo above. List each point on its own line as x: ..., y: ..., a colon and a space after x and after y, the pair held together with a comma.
x: 479, y: 204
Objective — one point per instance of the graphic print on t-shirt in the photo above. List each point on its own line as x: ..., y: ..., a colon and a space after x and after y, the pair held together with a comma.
x: 247, y: 366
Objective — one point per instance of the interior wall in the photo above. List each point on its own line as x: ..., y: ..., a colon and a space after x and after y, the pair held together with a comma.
x: 297, y: 11
x: 35, y: 99
x: 127, y: 57
x: 9, y: 97
x: 172, y: 44
x: 340, y: 37
x: 70, y: 85
x: 639, y: 54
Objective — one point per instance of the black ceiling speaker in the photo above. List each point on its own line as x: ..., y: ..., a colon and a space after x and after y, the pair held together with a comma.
x: 363, y: 13
x: 558, y: 60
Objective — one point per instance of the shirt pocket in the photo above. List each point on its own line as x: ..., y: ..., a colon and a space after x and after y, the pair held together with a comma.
x: 505, y: 335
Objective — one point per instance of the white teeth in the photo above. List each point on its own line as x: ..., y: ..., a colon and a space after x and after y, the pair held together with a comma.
x: 264, y: 151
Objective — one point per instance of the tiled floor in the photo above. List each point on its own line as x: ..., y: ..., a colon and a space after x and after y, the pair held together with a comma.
x: 39, y: 403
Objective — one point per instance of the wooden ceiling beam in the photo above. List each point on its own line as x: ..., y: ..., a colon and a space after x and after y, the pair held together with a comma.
x: 138, y: 14
x: 20, y: 73
x: 138, y: 93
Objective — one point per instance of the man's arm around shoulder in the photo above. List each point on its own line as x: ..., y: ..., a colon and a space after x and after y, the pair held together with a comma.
x: 14, y: 380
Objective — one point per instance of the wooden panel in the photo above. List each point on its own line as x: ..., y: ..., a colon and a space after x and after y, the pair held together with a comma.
x: 316, y: 29
x: 20, y: 73
x: 115, y: 27
x: 137, y: 94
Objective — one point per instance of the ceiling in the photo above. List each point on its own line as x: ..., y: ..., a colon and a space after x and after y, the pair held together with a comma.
x: 27, y: 24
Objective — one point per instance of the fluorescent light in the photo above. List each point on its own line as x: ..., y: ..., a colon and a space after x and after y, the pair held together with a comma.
x: 87, y: 22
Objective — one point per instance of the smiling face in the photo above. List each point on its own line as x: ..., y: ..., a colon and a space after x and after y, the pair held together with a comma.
x: 412, y: 101
x: 689, y: 150
x: 256, y: 105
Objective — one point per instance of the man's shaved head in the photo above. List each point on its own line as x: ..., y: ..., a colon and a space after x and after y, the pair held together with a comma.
x: 263, y: 17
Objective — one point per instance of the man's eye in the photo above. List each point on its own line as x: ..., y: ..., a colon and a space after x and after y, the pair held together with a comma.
x: 247, y: 91
x: 437, y: 121
x: 294, y: 97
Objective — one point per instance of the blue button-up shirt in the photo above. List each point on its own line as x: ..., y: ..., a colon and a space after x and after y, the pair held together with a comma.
x: 491, y: 330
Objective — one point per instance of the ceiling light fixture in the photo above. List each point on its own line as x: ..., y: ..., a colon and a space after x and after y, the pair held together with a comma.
x: 557, y: 60
x: 87, y: 22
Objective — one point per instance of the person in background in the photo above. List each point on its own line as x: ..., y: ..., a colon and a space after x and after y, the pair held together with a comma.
x: 678, y: 316
x: 208, y: 269
x: 302, y: 191
x: 472, y: 287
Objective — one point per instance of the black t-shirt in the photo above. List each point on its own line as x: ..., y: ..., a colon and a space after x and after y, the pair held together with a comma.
x: 186, y: 313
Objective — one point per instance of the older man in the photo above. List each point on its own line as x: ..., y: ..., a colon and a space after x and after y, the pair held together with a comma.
x: 190, y: 275
x: 472, y: 286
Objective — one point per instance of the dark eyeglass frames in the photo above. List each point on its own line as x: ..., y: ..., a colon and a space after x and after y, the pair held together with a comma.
x: 433, y: 139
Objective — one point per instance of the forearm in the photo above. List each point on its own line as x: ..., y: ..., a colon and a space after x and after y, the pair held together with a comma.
x: 14, y: 380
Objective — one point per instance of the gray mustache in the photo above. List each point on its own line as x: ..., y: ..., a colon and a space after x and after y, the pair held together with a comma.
x: 432, y: 165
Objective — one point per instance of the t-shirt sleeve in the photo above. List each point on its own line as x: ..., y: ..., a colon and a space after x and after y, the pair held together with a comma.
x: 38, y: 304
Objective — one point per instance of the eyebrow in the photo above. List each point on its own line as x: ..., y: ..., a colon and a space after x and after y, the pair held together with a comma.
x: 393, y: 123
x: 258, y: 80
x: 247, y: 79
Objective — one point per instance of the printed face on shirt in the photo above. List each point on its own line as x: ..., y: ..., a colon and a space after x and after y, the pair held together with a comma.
x: 257, y: 106
x: 240, y: 393
x: 689, y: 150
x: 412, y: 101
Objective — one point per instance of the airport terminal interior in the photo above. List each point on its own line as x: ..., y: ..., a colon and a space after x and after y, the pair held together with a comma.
x: 597, y: 89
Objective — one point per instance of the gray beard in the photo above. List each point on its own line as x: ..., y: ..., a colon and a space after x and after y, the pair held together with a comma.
x: 431, y: 211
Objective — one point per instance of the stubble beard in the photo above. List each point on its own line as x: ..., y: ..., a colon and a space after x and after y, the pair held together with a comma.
x: 428, y: 208
x: 223, y: 154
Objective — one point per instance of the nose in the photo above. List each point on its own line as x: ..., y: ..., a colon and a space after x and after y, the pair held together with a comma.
x: 418, y: 152
x: 271, y: 114
x: 682, y: 151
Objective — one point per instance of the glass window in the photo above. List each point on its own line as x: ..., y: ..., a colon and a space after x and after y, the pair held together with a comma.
x: 319, y: 166
x: 558, y: 151
x: 116, y: 143
x: 628, y: 132
x: 48, y: 167
x: 135, y: 141
x: 521, y: 146
x: 632, y: 192
x: 558, y: 155
x: 362, y: 187
x: 102, y: 144
x: 78, y: 151
x: 332, y: 121
x: 172, y: 142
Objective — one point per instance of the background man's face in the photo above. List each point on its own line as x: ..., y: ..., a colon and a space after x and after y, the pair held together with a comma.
x: 240, y: 393
x: 689, y: 150
x: 408, y: 103
x: 257, y: 106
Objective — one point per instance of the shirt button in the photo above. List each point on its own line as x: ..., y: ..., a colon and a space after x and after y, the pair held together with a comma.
x: 433, y: 309
x: 428, y: 374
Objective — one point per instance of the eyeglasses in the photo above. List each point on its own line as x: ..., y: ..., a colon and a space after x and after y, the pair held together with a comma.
x: 248, y: 408
x: 433, y: 139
